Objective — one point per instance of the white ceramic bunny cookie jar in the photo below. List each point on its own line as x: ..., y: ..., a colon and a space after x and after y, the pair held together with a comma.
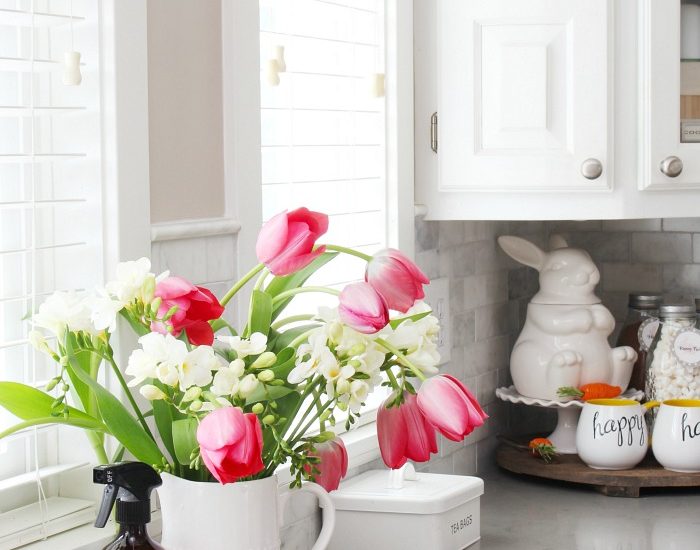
x: 564, y: 341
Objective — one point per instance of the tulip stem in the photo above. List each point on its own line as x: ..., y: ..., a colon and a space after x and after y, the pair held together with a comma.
x: 291, y: 319
x: 261, y: 280
x: 393, y: 380
x: 294, y: 291
x: 349, y: 251
x: 241, y: 283
x: 401, y: 358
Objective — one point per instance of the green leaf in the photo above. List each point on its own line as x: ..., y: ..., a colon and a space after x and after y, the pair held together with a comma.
x: 283, y: 339
x: 260, y: 312
x: 119, y: 422
x: 135, y: 325
x: 30, y: 403
x: 80, y: 389
x: 394, y: 323
x: 218, y: 324
x: 295, y: 280
x: 82, y: 423
x: 185, y: 439
x: 164, y: 415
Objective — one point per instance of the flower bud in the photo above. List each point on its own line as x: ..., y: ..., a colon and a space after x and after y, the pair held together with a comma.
x: 170, y: 313
x: 326, y: 415
x: 248, y: 385
x: 335, y: 331
x: 191, y: 394
x: 52, y: 384
x: 357, y: 349
x: 155, y: 305
x: 343, y: 386
x: 37, y: 340
x: 152, y: 393
x: 355, y: 364
x: 258, y: 408
x: 195, y: 405
x: 63, y: 361
x: 148, y: 289
x: 265, y: 360
x: 269, y: 419
x: 266, y: 376
x: 342, y: 406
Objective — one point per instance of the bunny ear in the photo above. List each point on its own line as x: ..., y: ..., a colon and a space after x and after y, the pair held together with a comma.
x: 523, y: 251
x: 557, y: 241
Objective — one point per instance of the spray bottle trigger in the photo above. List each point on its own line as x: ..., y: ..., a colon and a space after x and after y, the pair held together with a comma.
x: 108, y: 498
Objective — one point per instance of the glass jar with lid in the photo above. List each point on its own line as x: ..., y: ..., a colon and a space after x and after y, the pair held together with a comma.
x: 638, y: 331
x: 673, y: 362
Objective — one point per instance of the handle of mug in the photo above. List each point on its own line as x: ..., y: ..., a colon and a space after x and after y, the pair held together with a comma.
x: 328, y: 517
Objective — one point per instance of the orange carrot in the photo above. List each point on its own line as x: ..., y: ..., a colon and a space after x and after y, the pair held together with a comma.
x: 596, y: 390
x: 542, y: 447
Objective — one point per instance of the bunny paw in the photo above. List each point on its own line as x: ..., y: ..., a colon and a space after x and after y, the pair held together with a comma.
x: 624, y: 354
x: 565, y: 369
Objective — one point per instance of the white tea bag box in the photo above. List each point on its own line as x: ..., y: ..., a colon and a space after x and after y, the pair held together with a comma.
x: 426, y: 511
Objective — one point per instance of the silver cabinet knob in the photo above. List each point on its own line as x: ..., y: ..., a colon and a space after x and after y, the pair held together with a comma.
x: 671, y: 166
x: 591, y: 169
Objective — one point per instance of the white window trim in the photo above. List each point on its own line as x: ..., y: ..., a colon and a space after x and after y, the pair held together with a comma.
x: 125, y: 163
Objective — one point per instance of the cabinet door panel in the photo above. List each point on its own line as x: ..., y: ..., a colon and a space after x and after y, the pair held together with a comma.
x: 660, y: 100
x: 524, y: 94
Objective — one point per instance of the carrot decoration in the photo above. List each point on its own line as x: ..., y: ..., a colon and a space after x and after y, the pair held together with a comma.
x: 542, y: 447
x: 596, y: 390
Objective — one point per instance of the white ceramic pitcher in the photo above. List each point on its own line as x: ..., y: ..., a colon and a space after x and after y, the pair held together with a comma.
x: 237, y: 516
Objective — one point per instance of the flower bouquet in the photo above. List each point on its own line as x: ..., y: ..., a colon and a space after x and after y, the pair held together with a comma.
x: 233, y: 404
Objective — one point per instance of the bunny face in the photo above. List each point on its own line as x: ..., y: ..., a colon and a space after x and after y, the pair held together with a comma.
x: 567, y: 275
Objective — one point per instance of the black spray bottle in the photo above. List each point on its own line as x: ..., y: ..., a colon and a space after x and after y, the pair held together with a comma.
x: 130, y: 485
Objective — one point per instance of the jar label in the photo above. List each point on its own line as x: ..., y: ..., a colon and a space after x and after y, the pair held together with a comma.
x: 686, y: 347
x: 647, y: 331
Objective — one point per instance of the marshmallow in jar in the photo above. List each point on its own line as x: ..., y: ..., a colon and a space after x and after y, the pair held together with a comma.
x: 674, y: 358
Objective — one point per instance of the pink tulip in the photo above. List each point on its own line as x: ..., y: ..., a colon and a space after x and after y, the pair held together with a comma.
x: 396, y: 278
x: 230, y: 444
x: 286, y: 242
x: 404, y: 433
x: 450, y: 406
x: 363, y: 308
x: 196, y: 306
x: 333, y: 466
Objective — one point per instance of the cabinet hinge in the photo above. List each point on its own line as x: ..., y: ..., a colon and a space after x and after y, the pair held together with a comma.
x: 434, y: 132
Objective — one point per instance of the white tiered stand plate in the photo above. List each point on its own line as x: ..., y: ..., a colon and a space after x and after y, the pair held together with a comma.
x: 564, y: 435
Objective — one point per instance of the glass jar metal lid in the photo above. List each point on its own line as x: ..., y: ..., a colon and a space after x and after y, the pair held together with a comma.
x: 677, y: 311
x: 645, y: 300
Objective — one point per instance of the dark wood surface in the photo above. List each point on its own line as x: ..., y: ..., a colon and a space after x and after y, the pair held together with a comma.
x: 515, y: 457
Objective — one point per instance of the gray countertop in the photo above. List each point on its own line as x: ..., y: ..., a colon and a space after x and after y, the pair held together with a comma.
x: 519, y: 513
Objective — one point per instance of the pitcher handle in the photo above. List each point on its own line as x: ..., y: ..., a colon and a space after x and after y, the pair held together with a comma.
x: 328, y: 514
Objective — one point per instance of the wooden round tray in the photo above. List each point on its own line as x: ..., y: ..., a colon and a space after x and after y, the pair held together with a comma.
x: 515, y: 457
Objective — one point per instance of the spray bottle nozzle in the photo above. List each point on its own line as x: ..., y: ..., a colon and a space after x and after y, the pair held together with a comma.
x: 130, y: 485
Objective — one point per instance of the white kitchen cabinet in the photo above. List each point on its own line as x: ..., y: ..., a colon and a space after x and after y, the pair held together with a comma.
x: 550, y: 109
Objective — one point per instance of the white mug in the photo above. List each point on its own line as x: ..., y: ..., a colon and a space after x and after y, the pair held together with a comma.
x: 612, y: 433
x: 676, y: 437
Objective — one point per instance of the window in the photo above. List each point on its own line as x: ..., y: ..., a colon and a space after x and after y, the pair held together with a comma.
x: 323, y: 128
x: 50, y: 181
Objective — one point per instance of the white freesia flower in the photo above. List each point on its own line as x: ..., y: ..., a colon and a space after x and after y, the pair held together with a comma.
x: 426, y: 358
x: 160, y: 357
x: 369, y: 362
x: 248, y: 385
x: 334, y: 373
x: 255, y: 345
x: 197, y: 367
x: 130, y: 278
x: 226, y: 382
x: 103, y: 311
x: 357, y: 394
x: 64, y: 310
x: 151, y: 392
x: 312, y: 356
x: 237, y: 366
